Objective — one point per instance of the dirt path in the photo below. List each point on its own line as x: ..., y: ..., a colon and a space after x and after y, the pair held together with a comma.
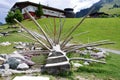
x: 112, y: 51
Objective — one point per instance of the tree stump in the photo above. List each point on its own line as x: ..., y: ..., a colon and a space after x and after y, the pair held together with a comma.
x: 56, y: 63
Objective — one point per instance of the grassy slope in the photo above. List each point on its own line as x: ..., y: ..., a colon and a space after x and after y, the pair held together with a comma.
x: 109, y: 71
x: 100, y: 29
x: 106, y: 7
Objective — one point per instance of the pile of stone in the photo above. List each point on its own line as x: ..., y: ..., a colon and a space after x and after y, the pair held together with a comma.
x: 94, y: 52
x: 26, y: 46
x: 21, y: 45
x: 4, y: 33
x: 14, y: 61
x: 7, y: 43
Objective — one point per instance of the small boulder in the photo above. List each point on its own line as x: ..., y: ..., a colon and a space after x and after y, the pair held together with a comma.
x: 77, y: 65
x: 28, y: 62
x: 86, y: 63
x: 5, y: 73
x: 2, y: 60
x: 16, y: 55
x: 22, y: 66
x: 13, y: 63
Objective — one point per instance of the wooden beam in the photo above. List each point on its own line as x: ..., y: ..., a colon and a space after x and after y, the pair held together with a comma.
x: 88, y: 60
x: 37, y: 24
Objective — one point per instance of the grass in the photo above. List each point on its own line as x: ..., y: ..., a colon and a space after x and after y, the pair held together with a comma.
x: 107, y: 9
x: 106, y: 72
x: 99, y: 29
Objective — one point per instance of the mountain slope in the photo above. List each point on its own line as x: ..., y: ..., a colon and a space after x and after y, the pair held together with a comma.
x: 1, y: 23
x: 106, y: 6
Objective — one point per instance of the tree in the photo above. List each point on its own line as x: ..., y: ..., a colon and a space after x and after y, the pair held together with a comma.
x: 39, y: 12
x: 18, y: 15
x: 11, y: 15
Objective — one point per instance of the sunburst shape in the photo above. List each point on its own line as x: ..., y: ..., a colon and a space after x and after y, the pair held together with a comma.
x: 57, y: 49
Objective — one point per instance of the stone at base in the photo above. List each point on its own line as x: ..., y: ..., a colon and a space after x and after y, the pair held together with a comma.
x: 56, y: 69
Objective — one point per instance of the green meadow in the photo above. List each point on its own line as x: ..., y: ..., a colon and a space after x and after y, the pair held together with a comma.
x: 97, y: 28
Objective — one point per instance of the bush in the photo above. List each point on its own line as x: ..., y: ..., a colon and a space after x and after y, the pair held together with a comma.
x: 39, y: 12
x: 14, y: 15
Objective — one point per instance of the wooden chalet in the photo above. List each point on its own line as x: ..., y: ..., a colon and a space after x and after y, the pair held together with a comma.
x: 32, y: 7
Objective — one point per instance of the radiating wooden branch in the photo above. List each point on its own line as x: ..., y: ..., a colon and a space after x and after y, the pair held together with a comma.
x: 47, y: 29
x: 41, y: 37
x: 88, y: 60
x: 86, y: 45
x: 75, y: 27
x: 81, y: 33
x: 74, y: 46
x: 32, y: 35
x: 54, y: 32
x: 70, y: 38
x: 43, y: 32
x: 34, y: 52
x: 28, y: 37
x: 66, y: 42
x: 60, y: 30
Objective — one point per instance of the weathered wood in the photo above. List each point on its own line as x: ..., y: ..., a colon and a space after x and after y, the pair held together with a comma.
x: 44, y: 33
x: 32, y: 35
x: 81, y: 33
x: 55, y: 31
x: 56, y: 63
x: 57, y: 60
x: 66, y: 42
x: 75, y: 27
x: 88, y: 60
x: 28, y: 37
x: 60, y: 30
x: 34, y: 52
x: 86, y: 45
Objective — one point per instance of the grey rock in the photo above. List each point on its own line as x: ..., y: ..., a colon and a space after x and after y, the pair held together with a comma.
x: 22, y: 66
x: 2, y: 60
x: 77, y: 65
x: 86, y: 63
x: 13, y: 63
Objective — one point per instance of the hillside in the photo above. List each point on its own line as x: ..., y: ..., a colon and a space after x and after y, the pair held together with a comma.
x: 106, y: 6
x: 1, y: 23
x: 99, y: 29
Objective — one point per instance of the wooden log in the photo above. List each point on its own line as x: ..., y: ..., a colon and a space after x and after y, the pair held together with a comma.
x: 32, y: 52
x: 66, y: 42
x: 44, y: 33
x: 28, y: 37
x: 81, y: 33
x: 75, y: 27
x: 60, y: 30
x: 87, y: 45
x: 88, y: 60
x: 55, y: 31
x: 32, y: 35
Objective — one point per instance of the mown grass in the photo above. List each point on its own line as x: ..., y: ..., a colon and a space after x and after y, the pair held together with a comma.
x: 99, y: 29
x: 104, y: 71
